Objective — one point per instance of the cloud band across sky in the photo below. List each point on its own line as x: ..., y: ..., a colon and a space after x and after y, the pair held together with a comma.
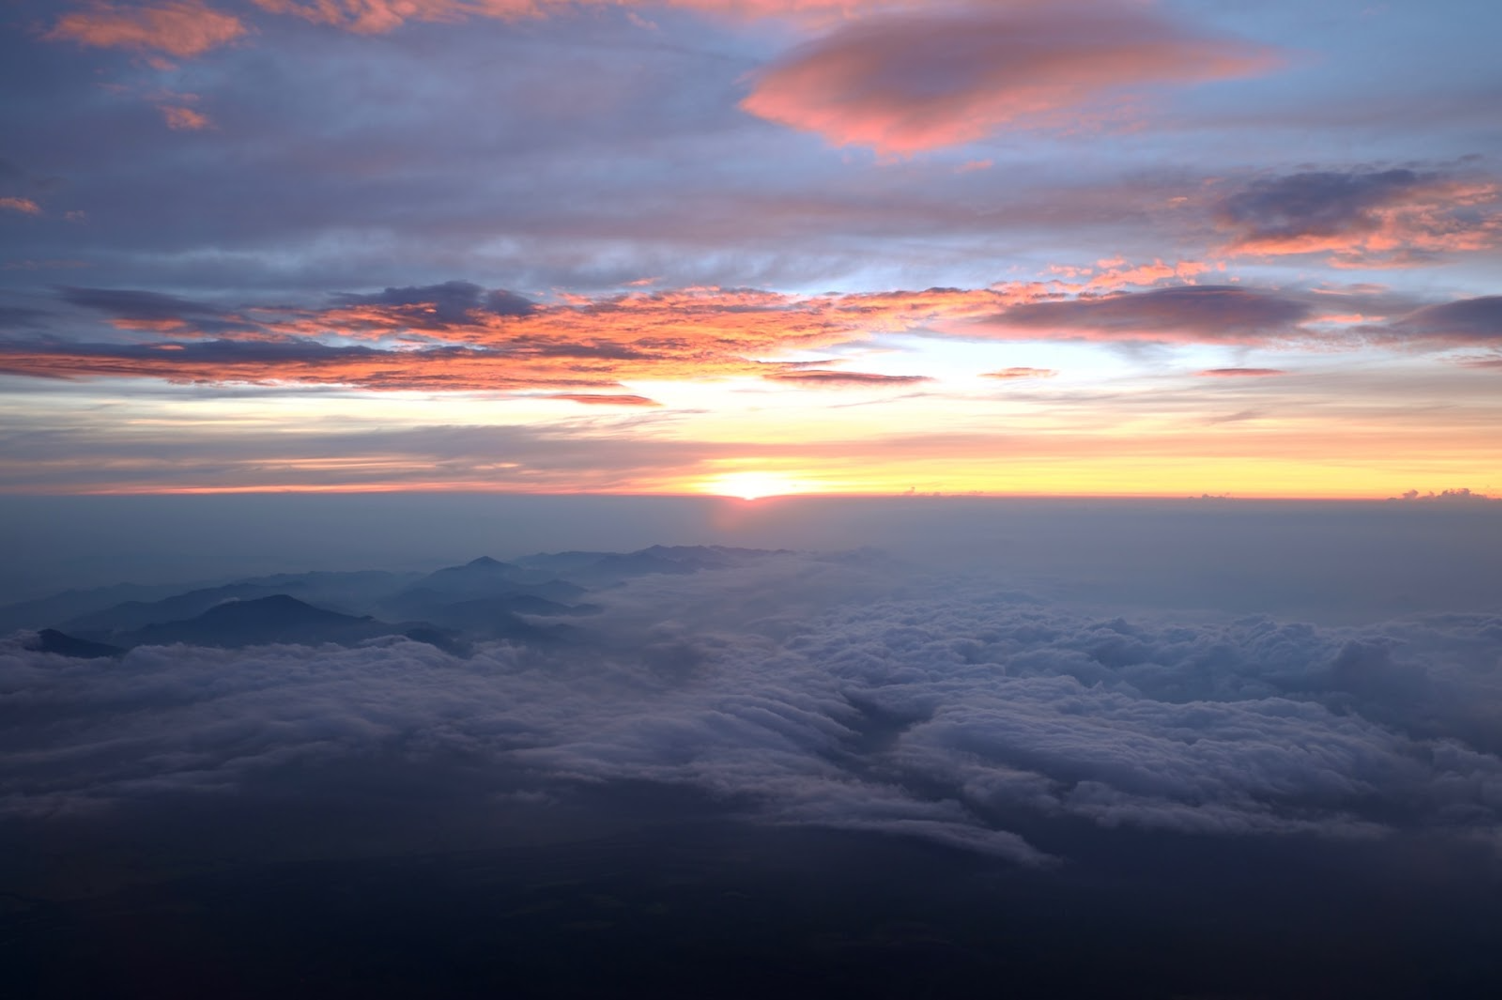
x: 772, y: 229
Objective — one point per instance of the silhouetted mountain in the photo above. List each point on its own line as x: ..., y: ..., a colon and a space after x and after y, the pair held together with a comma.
x: 346, y: 591
x: 483, y: 571
x: 483, y: 579
x: 130, y: 615
x: 71, y: 604
x: 606, y: 568
x: 339, y: 590
x: 275, y: 619
x: 50, y: 640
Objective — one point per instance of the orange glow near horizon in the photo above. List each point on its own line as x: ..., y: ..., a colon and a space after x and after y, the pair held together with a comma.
x: 755, y: 485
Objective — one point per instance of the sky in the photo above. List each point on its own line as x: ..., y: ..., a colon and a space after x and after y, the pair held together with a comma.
x: 751, y: 247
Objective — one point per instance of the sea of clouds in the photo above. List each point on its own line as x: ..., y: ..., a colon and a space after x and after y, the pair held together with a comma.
x: 826, y: 690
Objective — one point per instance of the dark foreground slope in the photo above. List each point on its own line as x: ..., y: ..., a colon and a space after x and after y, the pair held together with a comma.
x: 711, y: 910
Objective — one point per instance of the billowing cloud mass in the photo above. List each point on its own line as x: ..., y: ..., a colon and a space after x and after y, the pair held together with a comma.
x: 913, y: 82
x: 1387, y: 218
x: 837, y: 691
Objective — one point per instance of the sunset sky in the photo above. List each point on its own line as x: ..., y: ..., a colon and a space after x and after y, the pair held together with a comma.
x: 1089, y: 247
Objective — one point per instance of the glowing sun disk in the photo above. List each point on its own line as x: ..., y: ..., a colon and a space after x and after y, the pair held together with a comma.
x: 755, y: 485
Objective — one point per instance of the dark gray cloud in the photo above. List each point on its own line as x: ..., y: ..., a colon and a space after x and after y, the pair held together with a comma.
x: 1197, y: 312
x: 449, y: 303
x: 137, y: 304
x: 1465, y: 321
x: 1316, y: 203
x: 1242, y: 372
x: 1363, y: 217
x: 818, y: 376
x: 156, y: 310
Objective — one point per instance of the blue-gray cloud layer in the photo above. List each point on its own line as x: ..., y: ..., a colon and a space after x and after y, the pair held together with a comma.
x: 818, y: 691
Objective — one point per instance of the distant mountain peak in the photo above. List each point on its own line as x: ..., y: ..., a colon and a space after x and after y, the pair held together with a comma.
x: 485, y: 562
x: 50, y: 640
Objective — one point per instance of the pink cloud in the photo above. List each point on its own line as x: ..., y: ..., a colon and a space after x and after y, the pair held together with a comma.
x: 179, y: 118
x: 1117, y: 274
x: 903, y: 83
x: 376, y: 16
x: 23, y: 205
x: 1242, y: 372
x: 180, y: 27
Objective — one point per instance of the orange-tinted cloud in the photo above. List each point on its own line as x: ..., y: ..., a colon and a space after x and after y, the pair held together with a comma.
x: 23, y: 205
x: 1115, y: 274
x: 1011, y: 373
x: 291, y: 362
x: 178, y: 27
x: 460, y: 336
x: 180, y: 118
x: 1242, y: 372
x: 908, y: 82
x: 375, y: 16
x: 1388, y: 218
x: 829, y: 377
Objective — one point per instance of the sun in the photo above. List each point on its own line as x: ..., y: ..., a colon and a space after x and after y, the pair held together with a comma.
x: 755, y: 485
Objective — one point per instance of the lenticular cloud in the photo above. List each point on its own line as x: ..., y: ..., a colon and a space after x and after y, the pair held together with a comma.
x: 803, y: 690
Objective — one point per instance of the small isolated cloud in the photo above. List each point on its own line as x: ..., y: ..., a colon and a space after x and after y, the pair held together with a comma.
x: 180, y: 28
x: 909, y: 82
x: 821, y: 376
x: 1387, y: 218
x: 604, y: 399
x: 1242, y: 372
x: 1462, y: 495
x: 181, y: 118
x: 1011, y: 373
x: 23, y: 205
x: 1200, y: 313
